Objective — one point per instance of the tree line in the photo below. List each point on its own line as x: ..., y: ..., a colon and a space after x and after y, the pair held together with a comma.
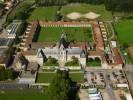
x: 62, y: 2
x: 119, y: 5
x: 62, y: 87
x: 111, y: 5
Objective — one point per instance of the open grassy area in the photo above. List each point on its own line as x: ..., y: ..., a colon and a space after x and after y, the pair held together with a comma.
x: 85, y: 8
x: 23, y: 95
x: 77, y: 77
x: 124, y: 30
x: 44, y: 13
x: 47, y: 77
x: 53, y: 34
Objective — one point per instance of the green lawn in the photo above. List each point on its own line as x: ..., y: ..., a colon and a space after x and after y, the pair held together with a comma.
x: 23, y: 95
x: 47, y: 77
x: 53, y: 34
x: 44, y: 13
x: 77, y: 77
x: 85, y: 8
x: 124, y: 30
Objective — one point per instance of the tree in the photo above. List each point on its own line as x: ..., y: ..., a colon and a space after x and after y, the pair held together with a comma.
x: 7, y: 74
x: 124, y: 46
x: 50, y: 2
x: 97, y: 59
x: 60, y: 88
x: 119, y: 5
x: 90, y: 60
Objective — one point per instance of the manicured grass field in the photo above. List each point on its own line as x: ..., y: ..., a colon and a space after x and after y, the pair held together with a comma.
x: 23, y: 95
x: 47, y: 77
x: 86, y: 8
x: 53, y: 34
x: 77, y: 77
x: 124, y: 30
x: 44, y: 13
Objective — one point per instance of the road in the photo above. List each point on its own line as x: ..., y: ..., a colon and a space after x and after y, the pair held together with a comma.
x: 129, y: 74
x: 109, y: 87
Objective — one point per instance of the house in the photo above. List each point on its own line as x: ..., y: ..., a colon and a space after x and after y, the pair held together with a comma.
x: 117, y: 60
x: 30, y: 35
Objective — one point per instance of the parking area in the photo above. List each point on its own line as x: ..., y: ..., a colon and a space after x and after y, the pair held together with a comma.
x: 107, y: 81
x: 95, y: 79
x: 117, y: 78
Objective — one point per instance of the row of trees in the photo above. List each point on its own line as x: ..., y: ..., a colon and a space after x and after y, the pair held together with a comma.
x: 93, y: 62
x: 61, y: 87
x: 87, y: 1
x: 119, y: 5
x: 62, y: 2
x: 113, y: 5
x: 20, y: 12
x: 50, y: 2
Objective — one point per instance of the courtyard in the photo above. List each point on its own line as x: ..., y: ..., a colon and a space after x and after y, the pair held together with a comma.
x: 53, y: 34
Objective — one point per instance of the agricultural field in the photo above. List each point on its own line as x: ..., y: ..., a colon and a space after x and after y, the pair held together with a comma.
x: 44, y: 13
x: 47, y: 77
x: 53, y: 34
x: 23, y: 95
x: 86, y: 8
x: 125, y: 31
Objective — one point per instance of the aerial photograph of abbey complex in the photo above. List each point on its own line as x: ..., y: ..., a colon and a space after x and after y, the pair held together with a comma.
x: 66, y: 49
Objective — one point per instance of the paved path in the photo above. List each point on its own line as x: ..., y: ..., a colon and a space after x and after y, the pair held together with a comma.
x: 109, y: 88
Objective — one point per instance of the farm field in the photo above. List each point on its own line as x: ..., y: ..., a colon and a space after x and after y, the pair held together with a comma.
x: 125, y: 31
x: 86, y: 8
x: 44, y: 13
x: 53, y: 34
x: 47, y: 77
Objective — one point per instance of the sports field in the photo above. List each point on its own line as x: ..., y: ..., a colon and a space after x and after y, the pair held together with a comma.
x: 53, y: 34
x: 23, y: 95
x: 124, y: 30
x: 44, y: 13
x: 86, y: 8
x: 47, y: 77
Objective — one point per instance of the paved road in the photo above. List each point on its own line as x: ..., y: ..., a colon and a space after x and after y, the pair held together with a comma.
x: 129, y: 73
x: 109, y: 87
